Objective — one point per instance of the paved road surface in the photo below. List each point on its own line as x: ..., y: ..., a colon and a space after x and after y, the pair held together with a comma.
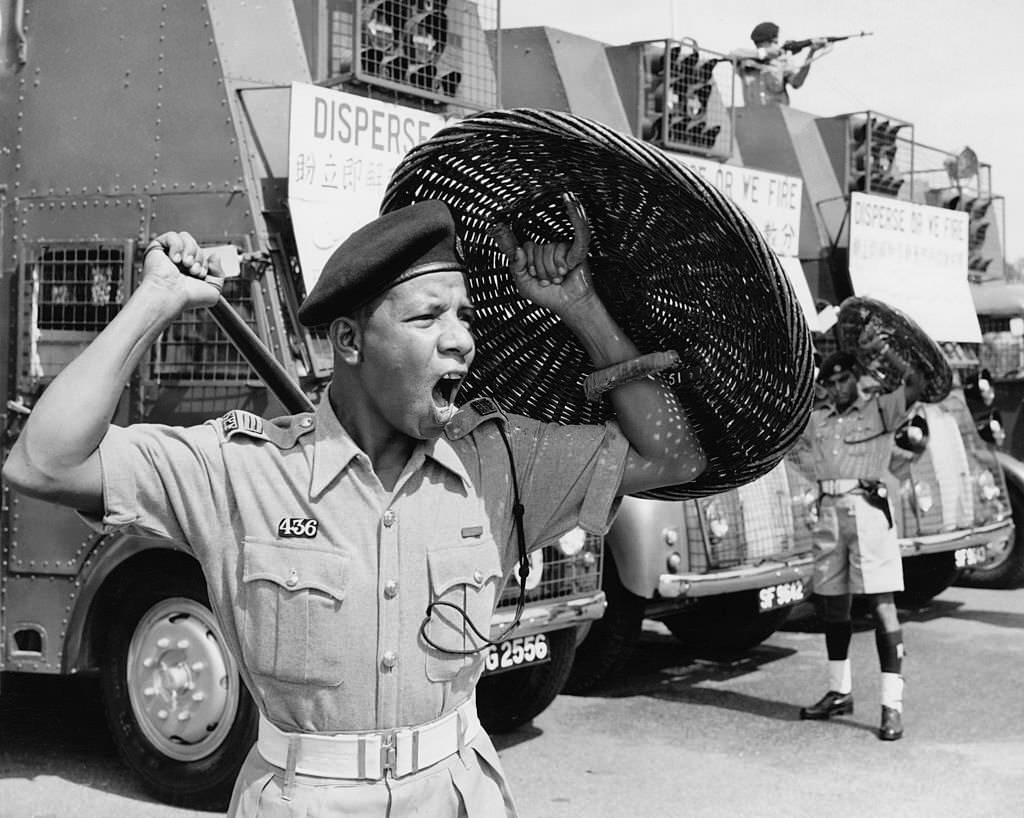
x: 679, y: 737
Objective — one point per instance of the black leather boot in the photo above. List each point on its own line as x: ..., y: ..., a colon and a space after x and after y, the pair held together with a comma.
x: 892, y: 724
x: 831, y: 704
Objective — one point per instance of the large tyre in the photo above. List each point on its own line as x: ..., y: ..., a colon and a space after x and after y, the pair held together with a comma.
x: 925, y: 577
x: 507, y: 701
x: 1007, y: 569
x: 177, y: 709
x: 606, y: 651
x: 726, y: 626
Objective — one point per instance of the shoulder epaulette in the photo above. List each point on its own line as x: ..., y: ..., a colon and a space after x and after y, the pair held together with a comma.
x: 283, y: 432
x: 477, y: 411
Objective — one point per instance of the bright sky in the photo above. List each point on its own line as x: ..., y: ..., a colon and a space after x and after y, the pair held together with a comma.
x: 953, y: 68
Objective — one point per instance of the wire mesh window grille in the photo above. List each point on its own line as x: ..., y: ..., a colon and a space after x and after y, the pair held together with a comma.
x: 430, y: 49
x: 683, y: 105
x: 195, y: 349
x: 1002, y: 350
x: 760, y: 521
x: 562, y: 575
x: 69, y: 293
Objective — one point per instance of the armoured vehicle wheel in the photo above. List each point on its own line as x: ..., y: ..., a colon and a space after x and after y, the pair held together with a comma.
x: 926, y: 577
x: 609, y: 644
x: 726, y: 626
x: 177, y: 709
x: 507, y: 701
x: 1007, y: 570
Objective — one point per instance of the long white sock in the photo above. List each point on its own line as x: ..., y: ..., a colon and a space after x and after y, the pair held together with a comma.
x: 892, y: 691
x: 840, y: 675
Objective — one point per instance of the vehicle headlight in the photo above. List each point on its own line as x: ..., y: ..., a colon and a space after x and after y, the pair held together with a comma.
x: 923, y: 496
x: 809, y: 501
x: 536, y: 563
x: 718, y: 524
x: 674, y: 562
x: 572, y: 542
x: 670, y: 536
x: 986, y: 390
x: 998, y: 432
x: 987, y: 485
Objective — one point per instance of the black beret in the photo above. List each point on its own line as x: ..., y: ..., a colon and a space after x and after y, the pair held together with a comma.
x: 837, y: 362
x: 409, y: 242
x: 763, y: 32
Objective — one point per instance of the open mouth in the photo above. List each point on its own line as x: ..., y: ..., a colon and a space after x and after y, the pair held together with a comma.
x: 445, y: 390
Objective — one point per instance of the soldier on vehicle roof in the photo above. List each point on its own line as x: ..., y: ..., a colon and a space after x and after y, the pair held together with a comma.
x: 353, y: 555
x: 767, y: 71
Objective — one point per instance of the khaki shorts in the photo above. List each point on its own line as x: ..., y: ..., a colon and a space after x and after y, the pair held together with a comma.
x: 859, y: 553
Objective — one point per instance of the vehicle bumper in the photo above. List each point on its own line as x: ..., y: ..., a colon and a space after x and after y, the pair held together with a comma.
x: 953, y: 540
x: 550, y: 615
x: 674, y: 586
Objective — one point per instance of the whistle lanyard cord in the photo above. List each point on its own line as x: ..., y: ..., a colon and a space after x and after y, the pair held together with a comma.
x: 524, y: 568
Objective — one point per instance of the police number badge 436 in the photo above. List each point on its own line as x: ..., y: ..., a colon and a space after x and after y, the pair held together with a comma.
x: 297, y: 527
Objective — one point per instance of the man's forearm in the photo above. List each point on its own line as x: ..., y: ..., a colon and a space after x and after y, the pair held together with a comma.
x: 647, y: 411
x: 72, y: 415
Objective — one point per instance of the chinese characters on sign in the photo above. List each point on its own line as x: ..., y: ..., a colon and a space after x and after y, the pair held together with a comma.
x: 771, y: 200
x: 342, y: 150
x: 914, y: 257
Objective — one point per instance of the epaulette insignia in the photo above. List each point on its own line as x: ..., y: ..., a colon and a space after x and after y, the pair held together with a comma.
x: 238, y: 421
x: 283, y: 432
x: 477, y: 411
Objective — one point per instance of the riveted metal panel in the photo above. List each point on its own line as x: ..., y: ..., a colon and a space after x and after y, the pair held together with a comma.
x: 42, y: 604
x: 90, y: 95
x: 87, y: 218
x: 46, y: 539
x: 212, y: 217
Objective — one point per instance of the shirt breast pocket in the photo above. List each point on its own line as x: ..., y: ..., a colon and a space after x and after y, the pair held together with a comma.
x: 464, y: 583
x: 290, y: 601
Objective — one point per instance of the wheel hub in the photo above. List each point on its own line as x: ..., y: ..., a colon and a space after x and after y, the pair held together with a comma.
x: 182, y: 682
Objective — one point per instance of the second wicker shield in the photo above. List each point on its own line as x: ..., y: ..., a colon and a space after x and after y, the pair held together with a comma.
x: 908, y: 340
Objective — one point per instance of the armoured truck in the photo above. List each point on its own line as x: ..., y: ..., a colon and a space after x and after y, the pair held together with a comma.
x: 125, y: 119
x: 890, y: 217
x: 995, y: 397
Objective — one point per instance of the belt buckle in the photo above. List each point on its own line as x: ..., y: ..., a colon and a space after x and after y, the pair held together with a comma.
x: 389, y: 754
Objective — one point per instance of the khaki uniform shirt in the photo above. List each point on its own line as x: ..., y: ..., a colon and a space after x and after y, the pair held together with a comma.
x: 855, y: 444
x: 320, y: 577
x: 764, y: 83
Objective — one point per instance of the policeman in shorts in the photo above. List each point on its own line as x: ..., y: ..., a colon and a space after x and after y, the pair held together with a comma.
x: 849, y: 444
x: 353, y: 555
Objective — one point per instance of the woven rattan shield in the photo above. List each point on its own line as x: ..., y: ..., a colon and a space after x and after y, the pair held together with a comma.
x: 677, y: 264
x: 906, y: 338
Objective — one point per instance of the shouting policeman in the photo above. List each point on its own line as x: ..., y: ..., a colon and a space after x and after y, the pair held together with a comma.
x: 353, y: 556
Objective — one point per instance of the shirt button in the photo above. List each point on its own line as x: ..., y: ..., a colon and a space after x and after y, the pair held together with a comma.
x: 293, y: 579
x: 478, y: 577
x: 389, y: 659
x: 389, y: 518
x: 390, y: 589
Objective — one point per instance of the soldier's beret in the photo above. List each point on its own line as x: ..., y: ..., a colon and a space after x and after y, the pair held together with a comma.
x: 763, y: 32
x: 406, y: 243
x: 837, y: 362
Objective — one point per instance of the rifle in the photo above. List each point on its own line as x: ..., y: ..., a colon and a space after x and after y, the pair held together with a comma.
x: 796, y: 46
